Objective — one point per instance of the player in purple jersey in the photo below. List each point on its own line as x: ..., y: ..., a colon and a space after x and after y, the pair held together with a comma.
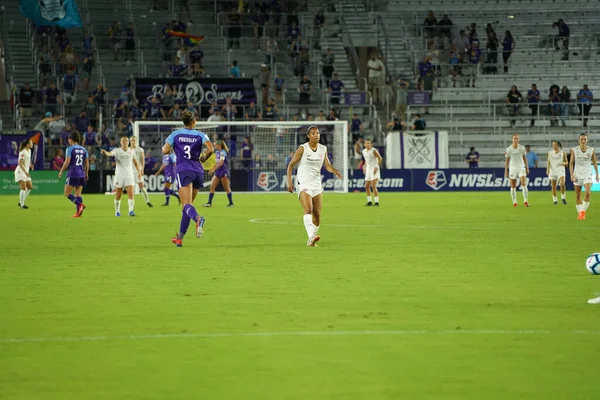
x: 78, y: 165
x: 221, y: 172
x: 168, y: 170
x: 188, y: 145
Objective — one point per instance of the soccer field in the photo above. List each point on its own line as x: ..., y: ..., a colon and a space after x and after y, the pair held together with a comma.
x: 437, y: 295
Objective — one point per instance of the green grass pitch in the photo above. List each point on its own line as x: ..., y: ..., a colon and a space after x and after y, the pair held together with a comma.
x: 438, y: 295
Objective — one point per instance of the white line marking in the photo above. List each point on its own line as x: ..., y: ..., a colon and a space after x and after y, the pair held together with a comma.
x: 492, y: 332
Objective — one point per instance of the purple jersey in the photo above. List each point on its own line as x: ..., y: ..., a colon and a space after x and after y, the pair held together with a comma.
x: 187, y: 145
x: 168, y: 161
x: 223, y: 170
x: 78, y: 156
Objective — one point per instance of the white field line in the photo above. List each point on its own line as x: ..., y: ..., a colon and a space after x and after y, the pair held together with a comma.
x: 216, y: 335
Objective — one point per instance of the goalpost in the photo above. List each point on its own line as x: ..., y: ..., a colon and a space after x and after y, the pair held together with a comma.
x: 272, y: 142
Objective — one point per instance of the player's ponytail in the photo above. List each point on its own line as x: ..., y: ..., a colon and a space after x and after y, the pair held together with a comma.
x: 24, y: 144
x: 224, y: 146
x: 187, y: 117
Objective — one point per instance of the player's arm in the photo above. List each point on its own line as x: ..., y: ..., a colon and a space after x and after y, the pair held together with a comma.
x: 507, y: 160
x: 293, y: 162
x: 565, y: 161
x: 330, y: 168
x: 168, y: 146
x: 595, y: 164
x: 87, y: 168
x: 379, y: 160
x: 208, y: 152
x: 217, y: 166
x: 107, y: 153
x: 137, y: 167
x: 526, y: 164
x: 548, y: 165
x: 571, y: 163
x: 161, y: 169
x: 65, y: 165
x: 22, y: 165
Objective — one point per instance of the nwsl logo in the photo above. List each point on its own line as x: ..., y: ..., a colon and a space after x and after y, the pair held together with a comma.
x: 436, y: 180
x: 267, y: 181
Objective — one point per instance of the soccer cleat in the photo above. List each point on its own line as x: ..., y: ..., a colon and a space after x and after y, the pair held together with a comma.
x: 117, y: 214
x: 207, y: 205
x: 131, y: 214
x: 580, y: 215
x: 176, y: 241
x: 583, y: 215
x: 526, y: 204
x: 19, y: 204
x: 555, y: 203
x: 80, y: 209
x: 230, y: 205
x: 164, y: 205
x: 149, y: 204
x: 200, y: 227
x: 24, y: 207
x: 564, y: 201
x: 369, y: 204
x: 515, y: 204
x: 376, y: 204
x: 595, y: 300
x: 312, y: 241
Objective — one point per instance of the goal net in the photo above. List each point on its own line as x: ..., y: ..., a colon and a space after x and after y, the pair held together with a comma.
x: 259, y: 148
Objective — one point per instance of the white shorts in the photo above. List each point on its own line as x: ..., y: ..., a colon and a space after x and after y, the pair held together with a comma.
x: 370, y: 176
x: 516, y: 173
x: 556, y: 175
x: 311, y: 191
x: 580, y: 181
x: 20, y: 176
x: 135, y: 178
x: 124, y: 181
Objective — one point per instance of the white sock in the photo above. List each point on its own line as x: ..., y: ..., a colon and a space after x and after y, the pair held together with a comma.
x: 27, y: 191
x: 376, y: 199
x: 22, y: 198
x: 308, y: 225
x: 554, y: 199
x: 585, y: 205
x: 117, y: 206
x: 131, y: 204
x: 369, y: 199
x: 316, y: 230
x: 525, y: 193
x: 513, y: 195
x: 145, y: 195
x: 563, y: 196
x: 579, y: 207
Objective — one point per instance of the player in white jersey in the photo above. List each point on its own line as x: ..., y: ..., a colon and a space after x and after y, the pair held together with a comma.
x: 22, y: 176
x: 516, y: 168
x: 310, y: 157
x: 583, y: 158
x: 124, y: 177
x: 557, y: 161
x: 371, y: 169
x: 141, y: 160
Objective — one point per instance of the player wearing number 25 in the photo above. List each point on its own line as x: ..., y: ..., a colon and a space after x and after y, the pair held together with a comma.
x: 78, y: 163
x: 188, y: 143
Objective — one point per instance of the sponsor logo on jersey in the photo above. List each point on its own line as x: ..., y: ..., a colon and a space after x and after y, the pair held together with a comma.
x: 436, y: 180
x: 267, y: 181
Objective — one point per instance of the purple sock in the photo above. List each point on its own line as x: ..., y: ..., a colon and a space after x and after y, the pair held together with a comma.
x: 183, y: 226
x: 210, y: 197
x: 79, y: 200
x: 191, y: 212
x: 230, y: 197
x: 72, y: 198
x: 167, y: 195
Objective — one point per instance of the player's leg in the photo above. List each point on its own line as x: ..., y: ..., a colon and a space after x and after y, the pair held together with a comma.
x: 307, y: 209
x: 563, y: 190
x: 188, y: 193
x: 80, y: 205
x: 524, y: 189
x: 375, y: 191
x: 118, y: 194
x: 513, y: 191
x: 144, y: 193
x: 69, y: 195
x: 586, y: 197
x: 317, y: 203
x: 225, y: 183
x: 131, y: 199
x: 578, y: 202
x: 167, y: 190
x: 214, y: 182
x: 28, y: 188
x: 553, y: 183
x: 368, y: 190
x: 23, y: 188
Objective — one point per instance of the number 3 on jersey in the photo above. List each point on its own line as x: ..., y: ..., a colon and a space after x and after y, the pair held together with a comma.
x: 187, y: 151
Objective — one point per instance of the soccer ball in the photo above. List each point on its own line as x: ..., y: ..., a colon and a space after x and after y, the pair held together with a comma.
x: 593, y: 263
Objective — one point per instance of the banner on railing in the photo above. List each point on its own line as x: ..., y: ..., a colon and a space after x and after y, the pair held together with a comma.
x: 417, y: 149
x: 63, y: 13
x: 354, y: 98
x: 9, y: 150
x: 418, y: 98
x: 199, y: 91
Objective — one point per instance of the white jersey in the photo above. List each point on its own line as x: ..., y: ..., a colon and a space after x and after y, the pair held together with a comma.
x: 583, y: 162
x: 309, y: 168
x: 124, y: 160
x: 515, y: 157
x: 370, y: 158
x: 556, y: 161
x: 140, y: 158
x: 25, y: 157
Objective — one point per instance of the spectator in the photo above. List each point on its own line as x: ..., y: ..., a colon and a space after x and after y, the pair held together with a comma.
x: 584, y: 102
x: 177, y: 70
x: 271, y: 163
x: 396, y: 125
x: 270, y: 111
x: 565, y: 99
x: 533, y: 98
x: 463, y: 45
x: 375, y: 68
x: 114, y: 36
x: 279, y: 88
x: 472, y: 158
x: 88, y: 66
x: 271, y: 48
x: 130, y: 42
x: 81, y: 122
x: 183, y: 55
x: 69, y: 87
x: 319, y: 23
x: 257, y: 162
x: 401, y: 99
x: 445, y: 27
x: 554, y: 106
x: 235, y: 29
x: 288, y: 159
x: 153, y: 110
x: 246, y: 155
x: 328, y: 61
x: 64, y: 136
x: 149, y: 161
x: 472, y: 29
x: 303, y: 61
x: 264, y: 77
x: 190, y: 107
x: 305, y: 88
x: 135, y: 112
x: 513, y: 98
x: 508, y: 45
x: 532, y: 158
x: 293, y: 32
x: 90, y: 137
x: 103, y: 139
x: 320, y: 116
x: 44, y: 124
x: 100, y: 94
x: 356, y: 127
x: 424, y: 67
x: 58, y: 160
x: 427, y: 84
x: 474, y: 61
x: 430, y: 24
x: 492, y: 53
x: 357, y: 149
x: 195, y: 56
x: 168, y: 101
x: 26, y: 100
x: 336, y: 87
x: 234, y: 71
x: 175, y: 112
x: 252, y: 113
x: 55, y: 128
x: 419, y: 123
x: 258, y: 23
x: 215, y: 116
x: 121, y: 113
x: 563, y: 35
x: 86, y: 45
x: 229, y: 110
x: 45, y: 61
x: 68, y: 59
x: 93, y: 162
x: 52, y: 99
x: 214, y: 107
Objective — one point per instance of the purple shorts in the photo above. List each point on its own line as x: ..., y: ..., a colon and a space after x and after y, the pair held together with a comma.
x: 184, y: 178
x: 75, y: 182
x: 168, y: 179
x: 221, y: 174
